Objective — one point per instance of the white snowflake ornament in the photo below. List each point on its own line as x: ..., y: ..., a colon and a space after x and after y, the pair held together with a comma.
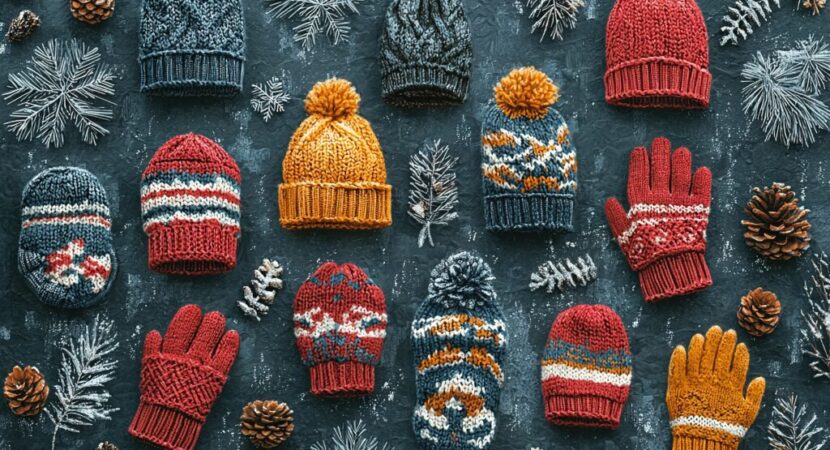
x: 269, y: 99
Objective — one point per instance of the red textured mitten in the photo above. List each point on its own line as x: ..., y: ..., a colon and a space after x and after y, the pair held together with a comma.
x: 663, y: 236
x: 181, y: 376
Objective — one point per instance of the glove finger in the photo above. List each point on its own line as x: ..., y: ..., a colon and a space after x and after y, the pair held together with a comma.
x: 695, y: 354
x: 702, y: 186
x: 660, y: 168
x: 152, y: 343
x: 754, y: 396
x: 740, y: 366
x: 210, y: 331
x: 617, y: 219
x: 681, y: 174
x: 638, y: 181
x: 226, y: 351
x: 710, y: 349
x: 677, y: 371
x: 726, y: 351
x: 181, y: 330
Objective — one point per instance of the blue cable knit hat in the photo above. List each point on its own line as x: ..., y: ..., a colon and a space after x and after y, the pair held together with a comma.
x: 192, y: 47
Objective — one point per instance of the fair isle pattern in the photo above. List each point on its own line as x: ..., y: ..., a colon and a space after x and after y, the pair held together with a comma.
x: 357, y: 321
x: 659, y: 230
x: 710, y: 423
x: 458, y: 394
x: 463, y: 325
x: 70, y: 265
x: 177, y: 196
x: 568, y: 361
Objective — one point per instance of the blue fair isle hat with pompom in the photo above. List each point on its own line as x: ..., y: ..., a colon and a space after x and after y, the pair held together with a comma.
x: 459, y: 341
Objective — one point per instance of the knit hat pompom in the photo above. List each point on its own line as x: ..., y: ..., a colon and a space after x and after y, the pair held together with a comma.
x: 333, y: 98
x: 462, y: 280
x: 526, y: 92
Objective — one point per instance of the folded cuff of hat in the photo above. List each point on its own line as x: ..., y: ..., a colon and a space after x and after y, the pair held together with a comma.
x: 529, y: 212
x: 700, y: 443
x: 165, y: 427
x: 347, y: 379
x: 419, y: 86
x: 192, y: 73
x: 658, y: 82
x: 192, y: 248
x: 356, y: 206
x: 680, y: 274
x: 583, y: 411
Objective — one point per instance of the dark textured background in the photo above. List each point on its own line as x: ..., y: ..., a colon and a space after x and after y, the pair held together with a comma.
x: 268, y: 365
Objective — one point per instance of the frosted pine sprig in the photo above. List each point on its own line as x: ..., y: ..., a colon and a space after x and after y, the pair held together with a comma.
x: 352, y: 438
x: 433, y: 194
x: 256, y: 302
x: 553, y: 17
x: 790, y: 429
x: 563, y: 275
x: 742, y: 17
x: 811, y: 61
x: 316, y: 17
x: 816, y: 333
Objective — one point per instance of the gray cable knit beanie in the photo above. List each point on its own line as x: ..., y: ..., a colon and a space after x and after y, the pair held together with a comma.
x: 192, y: 47
x: 426, y: 53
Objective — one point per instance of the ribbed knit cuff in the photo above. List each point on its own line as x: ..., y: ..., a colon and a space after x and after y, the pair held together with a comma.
x: 658, y: 82
x: 583, y: 411
x: 348, y: 379
x: 165, y: 427
x: 529, y: 212
x: 675, y: 275
x: 697, y: 443
x: 192, y: 74
x: 192, y: 248
x: 349, y: 206
x: 420, y: 86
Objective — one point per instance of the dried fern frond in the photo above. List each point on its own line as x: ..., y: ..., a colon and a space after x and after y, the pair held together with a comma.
x: 817, y: 318
x: 433, y: 193
x: 316, y: 17
x: 553, y: 17
x: 742, y: 17
x: 790, y: 429
x: 266, y: 282
x: 563, y: 275
x: 811, y: 60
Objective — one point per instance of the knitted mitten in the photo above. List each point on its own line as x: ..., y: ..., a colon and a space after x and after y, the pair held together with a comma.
x: 340, y: 325
x: 705, y: 399
x: 65, y: 250
x: 182, y: 374
x: 663, y: 236
x: 528, y: 160
x: 459, y: 341
x: 586, y: 368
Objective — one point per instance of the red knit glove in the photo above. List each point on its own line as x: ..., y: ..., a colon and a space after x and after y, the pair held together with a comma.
x: 181, y: 376
x: 663, y: 236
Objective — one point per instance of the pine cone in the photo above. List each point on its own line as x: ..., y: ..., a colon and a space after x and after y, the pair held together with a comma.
x: 106, y: 445
x: 22, y: 26
x: 815, y: 5
x: 26, y: 391
x: 759, y: 312
x: 779, y: 229
x: 92, y: 11
x: 267, y: 423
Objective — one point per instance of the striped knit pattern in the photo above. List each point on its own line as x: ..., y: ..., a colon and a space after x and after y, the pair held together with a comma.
x: 190, y: 206
x: 586, y: 368
x: 340, y: 325
x: 65, y: 251
x: 459, y: 341
x: 656, y: 231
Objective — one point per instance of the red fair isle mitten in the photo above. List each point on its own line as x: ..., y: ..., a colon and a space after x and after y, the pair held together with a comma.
x: 663, y: 235
x: 182, y: 374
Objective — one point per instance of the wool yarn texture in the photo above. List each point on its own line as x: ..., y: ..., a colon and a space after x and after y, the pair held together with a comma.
x: 663, y: 235
x: 705, y: 396
x: 528, y: 160
x: 182, y: 374
x: 190, y: 206
x: 459, y: 342
x: 425, y: 53
x: 192, y: 47
x: 657, y: 55
x: 65, y: 251
x: 586, y: 368
x: 334, y: 174
x: 340, y: 325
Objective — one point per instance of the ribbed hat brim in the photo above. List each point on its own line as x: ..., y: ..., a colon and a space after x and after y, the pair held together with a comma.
x: 355, y: 206
x: 658, y: 82
x: 420, y: 86
x: 186, y: 73
x: 529, y: 212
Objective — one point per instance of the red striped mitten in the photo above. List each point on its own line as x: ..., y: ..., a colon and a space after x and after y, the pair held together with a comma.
x: 663, y: 236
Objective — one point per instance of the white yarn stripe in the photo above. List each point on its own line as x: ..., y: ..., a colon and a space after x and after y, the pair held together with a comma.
x: 70, y: 208
x: 582, y: 374
x: 219, y: 185
x: 422, y: 328
x: 708, y: 422
x: 667, y: 209
x: 348, y: 323
x: 96, y: 221
x: 626, y: 235
x: 167, y: 218
x: 187, y: 200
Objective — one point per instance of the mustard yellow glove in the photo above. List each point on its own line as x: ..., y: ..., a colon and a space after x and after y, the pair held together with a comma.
x: 707, y: 407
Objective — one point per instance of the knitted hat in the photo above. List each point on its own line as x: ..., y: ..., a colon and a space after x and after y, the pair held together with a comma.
x: 192, y: 47
x: 459, y: 341
x: 586, y: 368
x: 657, y: 55
x: 190, y: 207
x: 333, y: 173
x: 340, y: 325
x: 65, y: 250
x: 528, y: 161
x: 426, y: 53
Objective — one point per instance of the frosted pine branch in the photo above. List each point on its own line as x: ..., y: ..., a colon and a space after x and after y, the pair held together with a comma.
x: 433, y: 194
x: 553, y: 17
x: 316, y: 17
x: 351, y: 439
x: 742, y: 17
x: 563, y: 275
x: 790, y: 429
x: 266, y: 282
x: 269, y: 99
x: 811, y: 60
x: 816, y: 333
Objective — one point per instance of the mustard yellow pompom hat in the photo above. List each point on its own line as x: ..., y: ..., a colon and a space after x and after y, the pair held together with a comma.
x: 334, y: 175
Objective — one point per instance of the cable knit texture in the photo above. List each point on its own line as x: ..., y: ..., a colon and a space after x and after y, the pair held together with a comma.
x: 459, y: 342
x: 182, y: 374
x: 663, y: 235
x: 586, y: 368
x: 192, y: 47
x: 657, y: 55
x: 334, y: 174
x: 528, y: 160
x: 190, y: 205
x: 705, y: 396
x: 426, y: 53
x: 65, y: 249
x: 340, y: 324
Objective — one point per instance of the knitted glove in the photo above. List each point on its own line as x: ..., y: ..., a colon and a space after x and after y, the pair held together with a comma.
x: 181, y: 376
x: 705, y: 397
x: 663, y: 236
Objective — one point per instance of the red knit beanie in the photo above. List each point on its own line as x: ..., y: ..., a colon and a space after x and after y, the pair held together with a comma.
x: 586, y: 368
x: 340, y: 325
x: 657, y: 55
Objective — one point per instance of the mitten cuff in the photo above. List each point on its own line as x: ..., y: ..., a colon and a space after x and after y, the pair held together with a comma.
x: 698, y: 443
x: 583, y: 411
x: 348, y: 379
x: 165, y: 427
x: 674, y: 275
